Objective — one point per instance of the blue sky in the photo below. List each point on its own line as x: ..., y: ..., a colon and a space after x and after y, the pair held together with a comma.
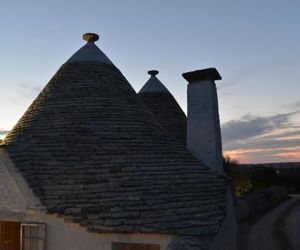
x: 254, y: 45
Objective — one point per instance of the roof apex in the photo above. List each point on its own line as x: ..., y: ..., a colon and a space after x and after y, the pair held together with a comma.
x: 153, y: 84
x: 153, y: 72
x: 89, y: 52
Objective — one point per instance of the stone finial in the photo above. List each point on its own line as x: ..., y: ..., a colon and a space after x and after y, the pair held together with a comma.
x: 90, y: 37
x: 153, y: 72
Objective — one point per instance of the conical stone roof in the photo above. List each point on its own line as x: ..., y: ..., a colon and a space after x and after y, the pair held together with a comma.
x: 93, y: 154
x: 161, y: 103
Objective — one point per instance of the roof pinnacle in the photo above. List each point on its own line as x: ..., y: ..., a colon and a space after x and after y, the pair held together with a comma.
x: 90, y: 37
x: 153, y: 72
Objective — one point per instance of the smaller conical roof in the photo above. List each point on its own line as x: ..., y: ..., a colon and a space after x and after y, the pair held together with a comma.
x: 161, y: 103
x: 153, y: 84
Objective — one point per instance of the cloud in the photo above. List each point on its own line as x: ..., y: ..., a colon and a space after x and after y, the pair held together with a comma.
x: 266, y: 155
x: 289, y: 106
x: 226, y: 84
x: 250, y: 126
x: 262, y: 138
x: 269, y: 143
x: 293, y: 132
x: 27, y: 92
x: 240, y: 75
x: 297, y: 105
x: 3, y: 132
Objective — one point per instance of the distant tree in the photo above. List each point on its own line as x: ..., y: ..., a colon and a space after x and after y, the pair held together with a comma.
x: 257, y: 177
x: 241, y: 179
x: 229, y: 164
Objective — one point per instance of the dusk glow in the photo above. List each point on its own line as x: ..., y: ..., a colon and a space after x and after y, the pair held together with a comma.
x: 262, y: 155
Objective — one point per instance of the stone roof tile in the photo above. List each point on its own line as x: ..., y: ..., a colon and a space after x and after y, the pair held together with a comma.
x: 161, y: 103
x: 94, y: 155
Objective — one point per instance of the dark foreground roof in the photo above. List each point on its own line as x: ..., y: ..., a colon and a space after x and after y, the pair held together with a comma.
x: 92, y: 154
x: 161, y: 103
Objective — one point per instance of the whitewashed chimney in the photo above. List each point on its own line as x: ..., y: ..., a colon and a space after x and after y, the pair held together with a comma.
x: 203, y: 124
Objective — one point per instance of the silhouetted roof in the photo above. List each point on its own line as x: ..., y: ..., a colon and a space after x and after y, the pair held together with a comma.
x: 153, y: 84
x: 93, y: 154
x: 161, y: 103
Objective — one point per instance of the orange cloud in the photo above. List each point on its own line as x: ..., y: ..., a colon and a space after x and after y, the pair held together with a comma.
x: 259, y: 155
x: 291, y: 156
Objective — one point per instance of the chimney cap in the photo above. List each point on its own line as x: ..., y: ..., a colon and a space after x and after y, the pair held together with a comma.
x: 153, y: 72
x: 90, y: 37
x: 202, y: 75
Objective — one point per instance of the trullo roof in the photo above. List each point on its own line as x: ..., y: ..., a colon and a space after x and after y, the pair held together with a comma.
x: 93, y: 154
x: 161, y: 103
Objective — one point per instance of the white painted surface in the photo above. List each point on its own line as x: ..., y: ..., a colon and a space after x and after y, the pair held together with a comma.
x: 12, y: 202
x: 203, y: 126
x: 15, y: 195
x: 70, y: 236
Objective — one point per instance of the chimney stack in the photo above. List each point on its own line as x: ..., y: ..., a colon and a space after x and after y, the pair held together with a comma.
x: 203, y: 125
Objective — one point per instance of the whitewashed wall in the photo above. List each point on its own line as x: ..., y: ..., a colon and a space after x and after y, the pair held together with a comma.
x: 12, y: 201
x: 203, y: 125
x: 67, y: 236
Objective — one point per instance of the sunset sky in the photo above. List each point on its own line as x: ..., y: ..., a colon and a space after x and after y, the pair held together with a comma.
x: 255, y: 45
